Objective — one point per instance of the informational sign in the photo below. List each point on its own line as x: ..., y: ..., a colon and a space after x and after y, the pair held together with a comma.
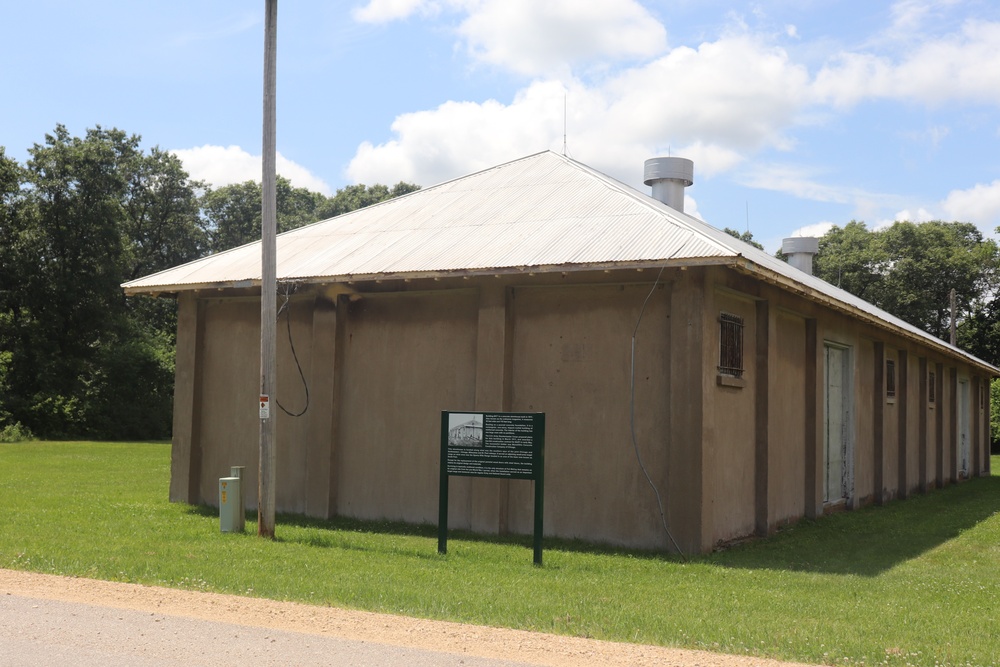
x: 494, y: 444
x: 508, y: 445
x: 265, y: 406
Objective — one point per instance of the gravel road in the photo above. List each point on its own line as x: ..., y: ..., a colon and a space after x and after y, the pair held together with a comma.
x: 46, y: 619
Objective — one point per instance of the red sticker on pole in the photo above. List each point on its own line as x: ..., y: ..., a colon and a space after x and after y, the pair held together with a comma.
x: 265, y: 407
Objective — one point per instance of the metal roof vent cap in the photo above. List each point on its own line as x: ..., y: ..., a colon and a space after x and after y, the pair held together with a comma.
x: 800, y: 251
x: 669, y: 176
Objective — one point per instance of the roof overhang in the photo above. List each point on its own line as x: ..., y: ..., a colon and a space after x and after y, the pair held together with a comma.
x: 748, y: 267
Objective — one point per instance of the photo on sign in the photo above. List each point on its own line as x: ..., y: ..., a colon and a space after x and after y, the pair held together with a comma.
x: 465, y: 429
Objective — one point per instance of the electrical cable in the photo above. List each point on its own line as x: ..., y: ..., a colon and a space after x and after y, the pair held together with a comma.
x: 295, y: 356
x: 635, y: 443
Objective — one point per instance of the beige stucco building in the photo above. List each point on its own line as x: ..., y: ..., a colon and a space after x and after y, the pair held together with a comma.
x: 760, y: 394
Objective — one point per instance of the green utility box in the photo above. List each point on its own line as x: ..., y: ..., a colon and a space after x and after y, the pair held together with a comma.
x: 230, y: 505
x: 239, y: 471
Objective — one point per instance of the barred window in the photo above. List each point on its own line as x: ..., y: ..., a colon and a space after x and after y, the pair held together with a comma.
x: 731, y: 345
x: 890, y: 378
x: 932, y: 388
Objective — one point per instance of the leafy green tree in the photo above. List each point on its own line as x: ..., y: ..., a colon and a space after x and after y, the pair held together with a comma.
x: 909, y: 270
x: 232, y: 214
x: 11, y: 234
x: 746, y: 237
x: 162, y: 226
x: 11, y: 200
x: 927, y: 261
x: 91, y: 212
x: 69, y: 296
x: 850, y: 258
x: 358, y: 196
x: 233, y: 211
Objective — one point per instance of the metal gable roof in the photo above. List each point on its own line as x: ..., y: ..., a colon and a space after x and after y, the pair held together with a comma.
x: 542, y: 212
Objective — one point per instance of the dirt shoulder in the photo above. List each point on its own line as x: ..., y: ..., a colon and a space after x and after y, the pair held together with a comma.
x: 472, y: 640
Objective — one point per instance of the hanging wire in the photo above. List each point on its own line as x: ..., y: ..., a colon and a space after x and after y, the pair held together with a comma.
x: 289, y: 289
x: 635, y: 442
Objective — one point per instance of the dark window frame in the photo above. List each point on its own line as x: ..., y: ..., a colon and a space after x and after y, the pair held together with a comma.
x: 731, y: 349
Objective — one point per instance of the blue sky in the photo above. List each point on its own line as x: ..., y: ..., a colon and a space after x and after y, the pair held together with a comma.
x: 797, y: 113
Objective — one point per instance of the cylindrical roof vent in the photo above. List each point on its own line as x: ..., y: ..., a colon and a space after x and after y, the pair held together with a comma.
x: 669, y: 176
x: 800, y: 251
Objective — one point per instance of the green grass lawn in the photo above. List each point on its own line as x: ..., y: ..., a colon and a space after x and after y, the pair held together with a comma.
x: 913, y: 583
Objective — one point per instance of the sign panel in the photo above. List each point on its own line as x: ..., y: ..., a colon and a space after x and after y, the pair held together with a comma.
x: 493, y: 444
x: 509, y: 445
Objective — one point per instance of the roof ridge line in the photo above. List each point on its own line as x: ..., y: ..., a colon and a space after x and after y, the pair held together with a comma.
x: 691, y: 224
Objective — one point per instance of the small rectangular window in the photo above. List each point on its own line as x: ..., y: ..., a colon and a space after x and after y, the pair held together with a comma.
x: 890, y: 378
x: 932, y: 388
x: 731, y: 345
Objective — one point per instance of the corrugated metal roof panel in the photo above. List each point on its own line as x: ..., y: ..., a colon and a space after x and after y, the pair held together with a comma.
x: 544, y: 210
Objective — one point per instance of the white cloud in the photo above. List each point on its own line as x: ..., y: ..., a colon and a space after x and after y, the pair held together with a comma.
x: 691, y: 207
x: 960, y: 66
x: 799, y: 182
x: 719, y: 103
x: 921, y: 214
x: 736, y: 92
x: 714, y: 104
x: 909, y: 16
x: 934, y: 135
x: 538, y: 38
x: 817, y: 230
x: 218, y: 32
x: 795, y: 181
x: 383, y: 11
x: 710, y: 159
x: 532, y: 37
x: 979, y: 204
x: 224, y: 165
x: 461, y: 137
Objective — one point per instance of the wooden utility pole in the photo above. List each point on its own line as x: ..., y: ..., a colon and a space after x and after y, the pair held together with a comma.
x: 268, y: 283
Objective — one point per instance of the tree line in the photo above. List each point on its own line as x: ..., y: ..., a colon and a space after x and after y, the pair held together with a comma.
x: 84, y: 214
x: 909, y: 269
x: 81, y: 216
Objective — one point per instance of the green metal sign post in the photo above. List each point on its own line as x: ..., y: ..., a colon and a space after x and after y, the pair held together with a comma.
x: 509, y: 445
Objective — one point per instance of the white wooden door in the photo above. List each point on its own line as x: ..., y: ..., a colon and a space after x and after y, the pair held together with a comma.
x: 837, y: 436
x: 963, y: 428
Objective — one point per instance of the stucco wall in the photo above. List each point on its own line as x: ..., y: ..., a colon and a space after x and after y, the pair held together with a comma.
x: 786, y: 488
x: 729, y: 459
x: 571, y: 360
x: 229, y: 429
x: 406, y: 357
x: 912, y: 428
x: 729, y: 430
